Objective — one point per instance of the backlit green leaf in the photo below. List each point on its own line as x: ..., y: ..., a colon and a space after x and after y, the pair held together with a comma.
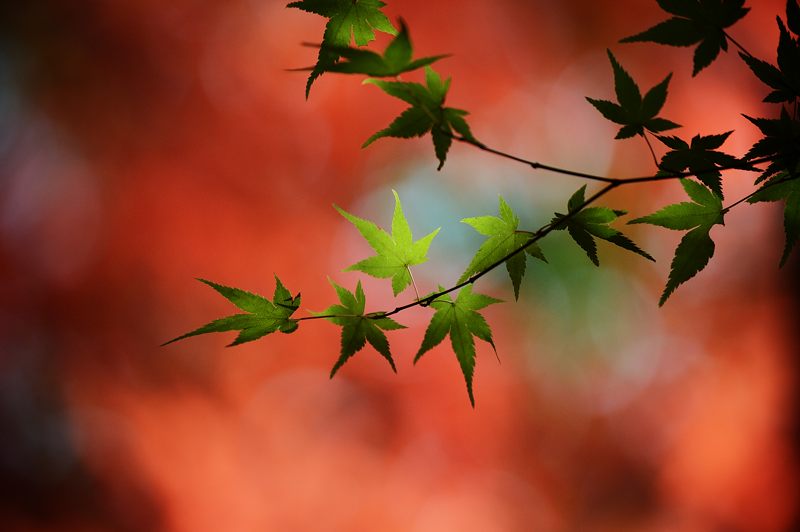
x: 592, y: 222
x: 358, y: 328
x: 395, y: 60
x: 349, y: 19
x: 503, y: 239
x: 396, y: 253
x: 262, y: 315
x: 461, y: 321
x: 696, y: 247
x: 426, y: 114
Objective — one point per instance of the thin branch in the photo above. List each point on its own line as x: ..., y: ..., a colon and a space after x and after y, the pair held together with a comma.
x: 760, y: 189
x: 593, y: 177
x: 533, y: 164
x: 536, y: 236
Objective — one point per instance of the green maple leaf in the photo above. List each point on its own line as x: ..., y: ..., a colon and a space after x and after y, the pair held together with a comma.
x: 356, y: 19
x: 584, y: 225
x: 426, y: 114
x: 785, y: 78
x: 461, y: 321
x: 701, y: 158
x: 783, y: 187
x: 696, y: 248
x: 695, y: 21
x: 633, y: 112
x: 503, y: 239
x: 395, y: 252
x: 358, y: 328
x: 396, y: 59
x: 781, y: 142
x: 262, y: 315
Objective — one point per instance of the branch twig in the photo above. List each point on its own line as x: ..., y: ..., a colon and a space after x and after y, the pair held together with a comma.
x: 535, y: 236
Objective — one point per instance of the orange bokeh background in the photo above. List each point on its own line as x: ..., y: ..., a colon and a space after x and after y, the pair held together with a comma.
x: 145, y: 144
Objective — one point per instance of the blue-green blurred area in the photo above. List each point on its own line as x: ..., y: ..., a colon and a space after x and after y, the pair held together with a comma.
x: 572, y: 317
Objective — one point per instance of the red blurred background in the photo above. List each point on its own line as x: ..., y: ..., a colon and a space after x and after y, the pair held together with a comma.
x: 147, y: 143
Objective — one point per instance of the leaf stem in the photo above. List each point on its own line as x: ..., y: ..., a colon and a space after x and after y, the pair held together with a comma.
x: 650, y: 147
x: 323, y: 317
x: 533, y: 164
x: 735, y: 43
x: 413, y: 282
x: 592, y: 177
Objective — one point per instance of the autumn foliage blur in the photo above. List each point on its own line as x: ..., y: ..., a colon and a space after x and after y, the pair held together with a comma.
x: 146, y: 143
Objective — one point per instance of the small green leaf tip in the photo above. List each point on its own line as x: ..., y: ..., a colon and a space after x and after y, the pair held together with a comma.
x: 634, y: 113
x: 504, y: 238
x: 358, y: 328
x: 696, y: 248
x: 586, y: 224
x: 261, y: 317
x: 396, y: 253
x: 462, y: 322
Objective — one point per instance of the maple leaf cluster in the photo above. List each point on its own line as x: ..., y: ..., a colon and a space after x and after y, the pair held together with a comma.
x: 698, y: 162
